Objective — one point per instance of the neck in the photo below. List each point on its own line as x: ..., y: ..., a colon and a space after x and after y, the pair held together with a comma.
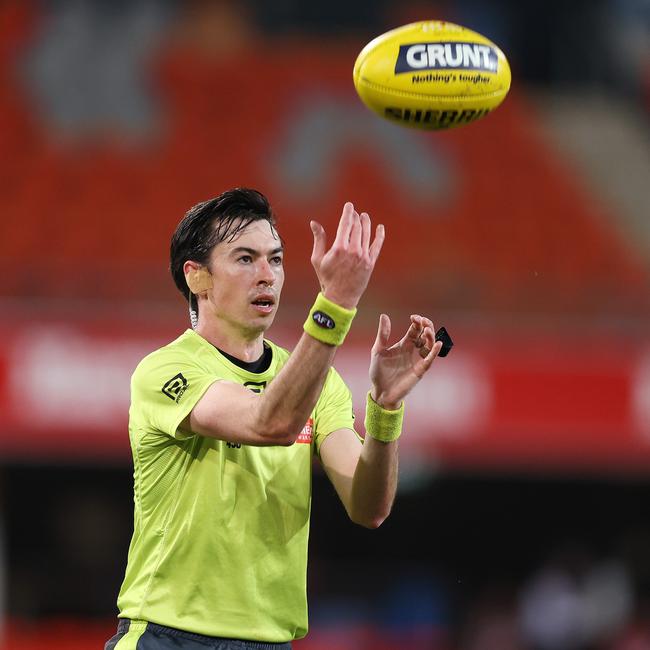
x: 245, y: 345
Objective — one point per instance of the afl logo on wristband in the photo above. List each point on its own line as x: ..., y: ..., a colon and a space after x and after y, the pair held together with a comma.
x: 323, y: 320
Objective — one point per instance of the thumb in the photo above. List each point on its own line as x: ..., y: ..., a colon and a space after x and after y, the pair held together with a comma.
x: 319, y: 242
x: 383, y: 333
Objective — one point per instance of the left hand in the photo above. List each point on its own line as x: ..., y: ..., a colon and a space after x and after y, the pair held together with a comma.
x: 395, y: 370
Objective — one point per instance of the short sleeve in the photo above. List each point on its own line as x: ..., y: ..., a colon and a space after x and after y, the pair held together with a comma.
x: 164, y: 390
x: 334, y: 408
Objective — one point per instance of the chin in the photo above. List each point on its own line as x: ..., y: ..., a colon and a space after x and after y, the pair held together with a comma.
x: 266, y: 322
x: 261, y: 324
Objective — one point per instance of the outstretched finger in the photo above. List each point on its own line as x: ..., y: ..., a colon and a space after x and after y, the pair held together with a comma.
x: 355, y: 232
x: 366, y: 232
x: 383, y: 333
x: 319, y: 242
x: 375, y: 248
x: 345, y: 225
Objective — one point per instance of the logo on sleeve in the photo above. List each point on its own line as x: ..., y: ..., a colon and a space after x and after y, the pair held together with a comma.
x: 307, y: 433
x: 323, y: 320
x: 175, y: 387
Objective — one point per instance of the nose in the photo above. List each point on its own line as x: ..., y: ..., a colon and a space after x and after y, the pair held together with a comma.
x: 265, y: 273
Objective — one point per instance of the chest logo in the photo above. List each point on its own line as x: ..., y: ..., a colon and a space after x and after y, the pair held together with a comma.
x: 255, y: 386
x: 307, y: 434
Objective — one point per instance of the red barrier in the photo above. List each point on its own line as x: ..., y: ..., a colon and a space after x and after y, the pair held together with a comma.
x: 86, y: 635
x: 532, y: 404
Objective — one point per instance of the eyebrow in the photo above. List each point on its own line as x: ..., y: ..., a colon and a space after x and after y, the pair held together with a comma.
x: 253, y: 252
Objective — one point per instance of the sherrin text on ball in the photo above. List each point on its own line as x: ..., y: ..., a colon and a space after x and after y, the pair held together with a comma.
x: 432, y: 75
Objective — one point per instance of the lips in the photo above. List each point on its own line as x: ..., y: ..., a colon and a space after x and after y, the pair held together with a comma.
x: 264, y: 303
x: 264, y: 300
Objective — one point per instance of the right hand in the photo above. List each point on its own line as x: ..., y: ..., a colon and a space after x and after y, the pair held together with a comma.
x: 345, y: 269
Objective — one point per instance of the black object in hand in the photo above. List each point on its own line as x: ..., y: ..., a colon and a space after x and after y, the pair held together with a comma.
x: 447, y: 343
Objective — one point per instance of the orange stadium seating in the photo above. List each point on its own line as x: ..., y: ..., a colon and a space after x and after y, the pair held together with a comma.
x: 513, y: 228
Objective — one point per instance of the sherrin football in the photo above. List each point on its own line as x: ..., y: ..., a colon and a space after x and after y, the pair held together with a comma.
x: 432, y: 75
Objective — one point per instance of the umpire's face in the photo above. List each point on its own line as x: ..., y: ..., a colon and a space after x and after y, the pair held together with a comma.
x: 247, y: 276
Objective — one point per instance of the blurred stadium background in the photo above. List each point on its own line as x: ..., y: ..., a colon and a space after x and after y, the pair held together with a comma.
x: 523, y: 517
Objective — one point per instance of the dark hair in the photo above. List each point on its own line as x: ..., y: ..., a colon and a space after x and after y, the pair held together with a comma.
x: 213, y: 221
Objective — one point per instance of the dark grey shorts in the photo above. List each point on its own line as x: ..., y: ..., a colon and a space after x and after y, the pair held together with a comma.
x: 140, y: 635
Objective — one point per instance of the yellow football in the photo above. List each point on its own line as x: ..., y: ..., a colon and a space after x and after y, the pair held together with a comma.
x: 432, y: 75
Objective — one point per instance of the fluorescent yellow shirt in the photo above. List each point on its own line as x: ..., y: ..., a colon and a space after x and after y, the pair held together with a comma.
x: 220, y: 530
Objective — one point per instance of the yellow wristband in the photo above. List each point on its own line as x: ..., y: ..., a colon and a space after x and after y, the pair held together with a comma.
x: 328, y: 322
x: 383, y: 425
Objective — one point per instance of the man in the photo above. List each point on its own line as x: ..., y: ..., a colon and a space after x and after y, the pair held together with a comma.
x: 224, y: 424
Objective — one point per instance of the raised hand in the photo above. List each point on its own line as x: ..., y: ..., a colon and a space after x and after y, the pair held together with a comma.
x: 395, y: 370
x: 345, y: 269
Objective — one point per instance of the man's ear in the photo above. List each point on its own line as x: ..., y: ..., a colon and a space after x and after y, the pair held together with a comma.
x: 198, y: 278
